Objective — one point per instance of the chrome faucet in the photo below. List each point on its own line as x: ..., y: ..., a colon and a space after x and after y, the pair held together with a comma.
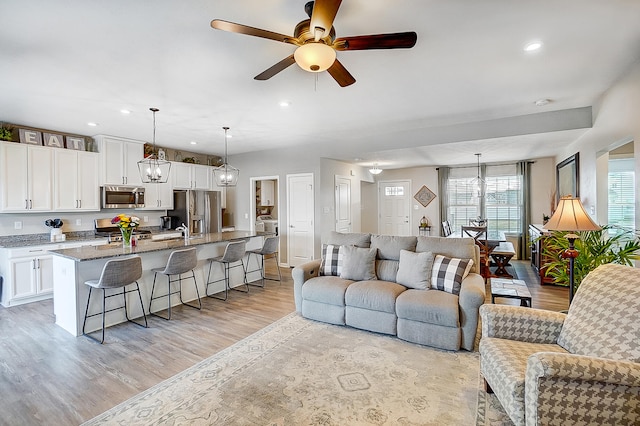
x: 185, y: 230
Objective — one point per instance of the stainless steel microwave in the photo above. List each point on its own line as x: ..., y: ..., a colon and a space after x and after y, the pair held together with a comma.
x: 122, y: 197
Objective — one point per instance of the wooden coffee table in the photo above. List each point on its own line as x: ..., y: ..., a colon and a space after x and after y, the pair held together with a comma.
x: 512, y: 289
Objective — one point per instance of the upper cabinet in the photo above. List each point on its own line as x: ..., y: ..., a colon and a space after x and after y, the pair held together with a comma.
x: 120, y: 161
x: 27, y: 176
x: 190, y: 176
x: 76, y: 183
x: 267, y: 193
x: 158, y: 196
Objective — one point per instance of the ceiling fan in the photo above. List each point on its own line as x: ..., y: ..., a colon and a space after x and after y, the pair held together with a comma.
x: 317, y: 44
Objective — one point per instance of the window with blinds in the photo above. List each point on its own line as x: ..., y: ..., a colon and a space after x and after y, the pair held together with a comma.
x: 622, y: 191
x: 503, y: 199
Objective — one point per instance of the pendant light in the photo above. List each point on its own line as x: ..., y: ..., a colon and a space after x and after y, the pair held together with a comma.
x: 477, y: 184
x: 153, y: 169
x: 375, y: 170
x: 226, y: 174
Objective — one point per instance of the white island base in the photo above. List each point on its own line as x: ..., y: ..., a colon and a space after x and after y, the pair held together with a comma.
x: 72, y: 267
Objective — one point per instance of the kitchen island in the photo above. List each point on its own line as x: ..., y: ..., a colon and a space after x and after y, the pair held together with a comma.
x: 72, y: 267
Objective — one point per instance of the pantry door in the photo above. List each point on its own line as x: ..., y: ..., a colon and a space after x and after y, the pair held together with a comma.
x: 300, y: 217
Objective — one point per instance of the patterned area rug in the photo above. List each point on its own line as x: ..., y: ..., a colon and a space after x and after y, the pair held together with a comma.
x: 298, y: 371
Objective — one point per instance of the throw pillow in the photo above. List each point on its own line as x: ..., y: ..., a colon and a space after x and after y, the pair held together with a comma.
x: 415, y: 269
x: 331, y: 263
x: 448, y: 273
x: 358, y: 264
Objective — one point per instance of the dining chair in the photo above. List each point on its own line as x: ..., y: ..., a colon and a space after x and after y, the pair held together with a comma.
x: 480, y: 236
x: 446, y: 228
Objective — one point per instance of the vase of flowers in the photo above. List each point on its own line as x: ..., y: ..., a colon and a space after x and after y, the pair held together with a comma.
x: 127, y: 225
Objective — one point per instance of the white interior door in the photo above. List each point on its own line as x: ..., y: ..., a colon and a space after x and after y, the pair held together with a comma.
x: 343, y: 204
x: 394, y: 207
x: 300, y: 215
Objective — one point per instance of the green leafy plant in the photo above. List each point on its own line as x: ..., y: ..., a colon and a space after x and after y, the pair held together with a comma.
x: 611, y: 244
x: 6, y: 132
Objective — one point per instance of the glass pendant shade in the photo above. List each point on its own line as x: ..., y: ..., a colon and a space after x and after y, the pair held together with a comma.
x: 226, y: 174
x: 375, y: 170
x: 315, y: 56
x: 153, y: 169
x: 477, y: 185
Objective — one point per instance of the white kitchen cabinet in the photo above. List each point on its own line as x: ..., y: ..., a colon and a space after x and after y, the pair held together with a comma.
x: 158, y: 196
x: 120, y: 160
x: 27, y: 178
x: 28, y: 271
x: 190, y: 176
x: 76, y: 181
x: 267, y: 193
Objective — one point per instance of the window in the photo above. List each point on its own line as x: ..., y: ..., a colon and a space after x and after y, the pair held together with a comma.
x: 622, y: 193
x: 502, y: 204
x: 394, y: 191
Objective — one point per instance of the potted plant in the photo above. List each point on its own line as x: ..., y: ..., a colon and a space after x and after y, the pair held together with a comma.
x: 611, y: 244
x: 6, y: 132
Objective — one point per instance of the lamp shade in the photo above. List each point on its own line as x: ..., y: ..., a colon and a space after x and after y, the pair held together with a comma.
x: 375, y: 170
x: 571, y: 216
x: 153, y: 169
x: 314, y: 56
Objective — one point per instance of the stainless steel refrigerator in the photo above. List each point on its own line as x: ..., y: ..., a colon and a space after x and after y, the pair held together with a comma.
x: 201, y: 211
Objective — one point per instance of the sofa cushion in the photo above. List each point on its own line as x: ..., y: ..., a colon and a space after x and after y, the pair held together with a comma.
x: 386, y: 270
x: 331, y: 263
x: 430, y: 306
x: 329, y: 290
x: 374, y: 295
x: 358, y: 264
x: 349, y: 239
x: 389, y: 246
x: 414, y: 270
x: 448, y: 273
x: 463, y: 248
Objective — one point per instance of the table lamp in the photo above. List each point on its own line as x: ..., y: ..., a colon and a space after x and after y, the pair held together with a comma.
x: 571, y: 216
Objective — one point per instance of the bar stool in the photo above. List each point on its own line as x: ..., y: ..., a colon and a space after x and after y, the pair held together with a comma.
x: 116, y: 273
x: 269, y: 250
x: 233, y: 253
x: 180, y: 262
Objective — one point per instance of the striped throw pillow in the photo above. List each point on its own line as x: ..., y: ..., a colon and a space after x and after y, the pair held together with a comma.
x: 447, y: 273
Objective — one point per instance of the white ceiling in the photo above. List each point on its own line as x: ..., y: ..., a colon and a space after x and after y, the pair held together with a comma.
x: 69, y: 62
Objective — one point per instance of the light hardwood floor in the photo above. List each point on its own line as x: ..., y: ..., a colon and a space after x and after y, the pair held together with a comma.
x: 49, y: 377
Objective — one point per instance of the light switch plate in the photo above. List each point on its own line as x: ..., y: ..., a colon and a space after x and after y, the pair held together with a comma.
x: 17, y: 225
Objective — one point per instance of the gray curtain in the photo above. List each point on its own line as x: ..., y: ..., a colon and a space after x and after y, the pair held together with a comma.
x: 443, y: 177
x: 524, y: 170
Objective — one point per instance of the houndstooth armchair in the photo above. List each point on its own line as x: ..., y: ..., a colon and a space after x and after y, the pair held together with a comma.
x: 548, y: 368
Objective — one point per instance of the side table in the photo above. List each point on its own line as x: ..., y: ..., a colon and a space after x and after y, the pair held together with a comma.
x: 511, y: 289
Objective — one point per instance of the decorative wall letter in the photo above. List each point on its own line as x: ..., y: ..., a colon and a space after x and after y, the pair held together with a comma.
x: 30, y: 136
x: 53, y: 140
x: 75, y: 142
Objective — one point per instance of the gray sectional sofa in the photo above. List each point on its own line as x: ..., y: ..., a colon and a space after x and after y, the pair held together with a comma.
x: 384, y: 283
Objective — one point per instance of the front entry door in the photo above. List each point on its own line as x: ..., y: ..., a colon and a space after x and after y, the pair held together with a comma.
x: 394, y: 207
x: 300, y: 215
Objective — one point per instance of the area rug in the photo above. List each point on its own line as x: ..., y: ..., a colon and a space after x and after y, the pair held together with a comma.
x: 297, y: 371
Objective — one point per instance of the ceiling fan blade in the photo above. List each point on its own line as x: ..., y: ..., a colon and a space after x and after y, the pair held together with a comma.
x: 232, y: 27
x: 270, y: 72
x: 324, y: 12
x: 377, y: 41
x: 340, y: 74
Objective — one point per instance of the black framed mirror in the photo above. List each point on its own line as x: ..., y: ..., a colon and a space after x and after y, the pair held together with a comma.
x: 568, y: 177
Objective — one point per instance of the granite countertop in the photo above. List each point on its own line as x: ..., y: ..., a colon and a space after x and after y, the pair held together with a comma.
x: 115, y: 249
x: 45, y: 241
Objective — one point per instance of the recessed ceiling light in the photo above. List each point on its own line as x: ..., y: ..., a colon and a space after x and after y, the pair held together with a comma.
x: 193, y: 143
x: 285, y: 103
x: 542, y: 102
x: 533, y: 46
x: 92, y: 124
x: 125, y: 111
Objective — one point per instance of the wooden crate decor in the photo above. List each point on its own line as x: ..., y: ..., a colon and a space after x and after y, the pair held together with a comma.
x: 75, y: 142
x: 32, y: 137
x: 53, y: 140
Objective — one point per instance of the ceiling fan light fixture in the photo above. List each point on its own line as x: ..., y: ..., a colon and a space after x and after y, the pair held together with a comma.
x: 226, y: 174
x: 315, y: 56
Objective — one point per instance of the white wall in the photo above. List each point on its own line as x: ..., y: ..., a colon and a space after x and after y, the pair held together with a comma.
x: 616, y: 118
x: 543, y: 184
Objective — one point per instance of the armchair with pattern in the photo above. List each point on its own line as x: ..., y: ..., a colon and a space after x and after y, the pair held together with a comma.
x: 583, y: 367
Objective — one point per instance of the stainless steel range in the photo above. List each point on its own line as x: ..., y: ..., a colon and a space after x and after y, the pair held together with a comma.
x: 104, y: 228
